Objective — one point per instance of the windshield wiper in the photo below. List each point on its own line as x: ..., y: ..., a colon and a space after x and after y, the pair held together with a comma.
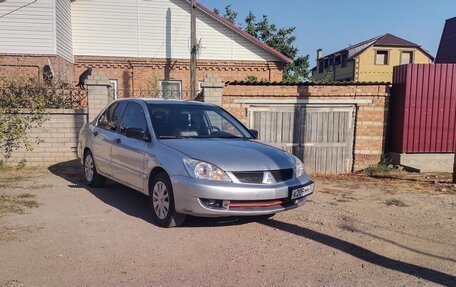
x: 224, y: 137
x: 170, y: 137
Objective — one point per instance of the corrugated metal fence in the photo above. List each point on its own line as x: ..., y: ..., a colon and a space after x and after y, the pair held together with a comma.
x: 423, y: 108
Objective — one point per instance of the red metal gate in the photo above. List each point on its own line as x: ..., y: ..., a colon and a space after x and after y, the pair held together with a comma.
x: 423, y: 104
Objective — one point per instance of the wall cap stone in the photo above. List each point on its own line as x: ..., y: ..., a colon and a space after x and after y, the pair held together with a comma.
x: 301, y: 101
x: 97, y: 78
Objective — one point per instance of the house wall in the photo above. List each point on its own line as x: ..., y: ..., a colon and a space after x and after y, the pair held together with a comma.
x: 134, y: 75
x: 370, y: 119
x: 340, y: 73
x: 368, y: 71
x: 36, y: 28
x: 32, y: 64
x: 133, y: 42
x: 155, y: 29
x: 29, y: 29
x: 64, y: 41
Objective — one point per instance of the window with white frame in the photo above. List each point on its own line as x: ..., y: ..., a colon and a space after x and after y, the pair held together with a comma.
x: 170, y: 89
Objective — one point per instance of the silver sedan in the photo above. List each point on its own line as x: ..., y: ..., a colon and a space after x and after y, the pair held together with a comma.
x: 190, y: 158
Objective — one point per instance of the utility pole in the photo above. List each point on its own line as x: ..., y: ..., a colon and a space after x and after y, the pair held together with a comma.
x: 193, y: 51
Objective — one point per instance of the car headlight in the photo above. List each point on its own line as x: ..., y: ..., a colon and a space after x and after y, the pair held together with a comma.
x: 203, y: 170
x: 299, y: 167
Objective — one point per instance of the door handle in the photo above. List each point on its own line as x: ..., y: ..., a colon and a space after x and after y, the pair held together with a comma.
x: 95, y: 133
x: 117, y: 141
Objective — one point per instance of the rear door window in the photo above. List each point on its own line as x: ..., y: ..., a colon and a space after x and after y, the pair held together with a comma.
x: 109, y: 120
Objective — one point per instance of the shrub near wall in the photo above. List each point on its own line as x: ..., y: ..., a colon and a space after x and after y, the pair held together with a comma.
x: 30, y: 124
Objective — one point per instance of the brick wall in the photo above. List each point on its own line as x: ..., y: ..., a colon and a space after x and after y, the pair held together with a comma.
x: 58, y: 139
x: 33, y: 65
x: 133, y: 74
x: 370, y: 121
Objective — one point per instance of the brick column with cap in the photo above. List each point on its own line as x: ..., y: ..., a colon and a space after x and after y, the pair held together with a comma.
x: 98, y: 85
x: 213, y: 89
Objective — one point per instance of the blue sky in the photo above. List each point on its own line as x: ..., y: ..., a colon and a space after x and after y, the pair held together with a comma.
x: 333, y: 25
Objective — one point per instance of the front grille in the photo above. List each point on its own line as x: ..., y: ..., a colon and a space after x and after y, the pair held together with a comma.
x: 257, y: 176
x: 249, y: 176
x: 282, y: 174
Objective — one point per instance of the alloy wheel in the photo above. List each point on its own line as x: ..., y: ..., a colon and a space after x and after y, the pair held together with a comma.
x: 88, y: 168
x: 160, y: 200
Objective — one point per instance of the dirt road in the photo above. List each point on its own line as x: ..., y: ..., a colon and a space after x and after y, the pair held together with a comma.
x: 354, y: 231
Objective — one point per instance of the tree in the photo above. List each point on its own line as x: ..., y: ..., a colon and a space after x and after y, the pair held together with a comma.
x: 229, y: 15
x: 281, y: 39
x: 250, y: 24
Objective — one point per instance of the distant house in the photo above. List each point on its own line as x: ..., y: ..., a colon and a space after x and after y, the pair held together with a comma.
x: 138, y: 44
x: 369, y: 61
x: 447, y: 47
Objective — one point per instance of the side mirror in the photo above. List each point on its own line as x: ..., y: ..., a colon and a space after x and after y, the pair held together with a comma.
x: 254, y: 133
x: 137, y: 133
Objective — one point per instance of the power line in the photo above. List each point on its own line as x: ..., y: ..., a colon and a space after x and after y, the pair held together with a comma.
x: 19, y: 8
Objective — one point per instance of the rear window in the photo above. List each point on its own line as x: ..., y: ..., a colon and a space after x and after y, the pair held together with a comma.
x: 110, y: 118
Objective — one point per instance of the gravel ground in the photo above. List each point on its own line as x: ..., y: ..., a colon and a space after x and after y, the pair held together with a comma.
x: 354, y: 231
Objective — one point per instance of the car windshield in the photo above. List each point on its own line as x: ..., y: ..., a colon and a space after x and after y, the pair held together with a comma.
x: 171, y: 121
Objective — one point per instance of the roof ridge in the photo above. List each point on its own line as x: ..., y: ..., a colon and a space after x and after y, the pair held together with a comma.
x: 377, y: 40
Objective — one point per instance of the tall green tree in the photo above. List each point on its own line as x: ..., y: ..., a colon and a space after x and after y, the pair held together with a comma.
x: 281, y: 39
x: 229, y: 14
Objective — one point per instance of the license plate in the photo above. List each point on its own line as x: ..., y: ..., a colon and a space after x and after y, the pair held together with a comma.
x: 302, y: 191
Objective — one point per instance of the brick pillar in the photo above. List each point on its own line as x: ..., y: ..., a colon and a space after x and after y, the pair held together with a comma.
x: 98, y: 93
x: 213, y: 89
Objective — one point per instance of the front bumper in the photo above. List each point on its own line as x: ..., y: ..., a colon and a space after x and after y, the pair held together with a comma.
x: 188, y: 192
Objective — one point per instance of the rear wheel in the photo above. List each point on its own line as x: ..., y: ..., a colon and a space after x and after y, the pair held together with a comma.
x: 162, y: 202
x: 92, y: 177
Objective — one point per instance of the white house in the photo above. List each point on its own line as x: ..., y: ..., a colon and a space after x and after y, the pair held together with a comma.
x: 135, y: 42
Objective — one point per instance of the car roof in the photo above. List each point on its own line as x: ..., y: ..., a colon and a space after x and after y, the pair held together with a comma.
x: 156, y: 101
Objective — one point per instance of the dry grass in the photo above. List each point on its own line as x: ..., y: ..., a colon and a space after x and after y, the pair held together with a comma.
x: 433, y: 183
x: 17, y: 204
x: 395, y: 202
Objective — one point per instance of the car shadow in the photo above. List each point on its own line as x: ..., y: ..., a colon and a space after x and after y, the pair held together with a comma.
x: 352, y: 229
x: 363, y: 253
x: 132, y: 202
x: 112, y: 193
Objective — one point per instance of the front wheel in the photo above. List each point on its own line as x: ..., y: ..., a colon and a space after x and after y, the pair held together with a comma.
x: 92, y: 177
x: 162, y: 202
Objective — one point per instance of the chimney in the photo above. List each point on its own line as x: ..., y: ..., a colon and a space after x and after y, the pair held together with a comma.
x: 319, y: 54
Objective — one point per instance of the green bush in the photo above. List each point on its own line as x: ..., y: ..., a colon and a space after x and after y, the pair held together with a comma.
x: 384, y: 166
x: 22, y: 106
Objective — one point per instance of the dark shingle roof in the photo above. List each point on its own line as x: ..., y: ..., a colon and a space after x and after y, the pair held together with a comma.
x: 384, y: 40
x: 391, y: 40
x: 447, y: 47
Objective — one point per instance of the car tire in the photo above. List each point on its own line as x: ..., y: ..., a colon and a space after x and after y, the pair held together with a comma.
x: 161, y: 198
x: 91, y: 176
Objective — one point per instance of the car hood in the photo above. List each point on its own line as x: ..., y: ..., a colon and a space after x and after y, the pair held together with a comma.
x: 233, y: 154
